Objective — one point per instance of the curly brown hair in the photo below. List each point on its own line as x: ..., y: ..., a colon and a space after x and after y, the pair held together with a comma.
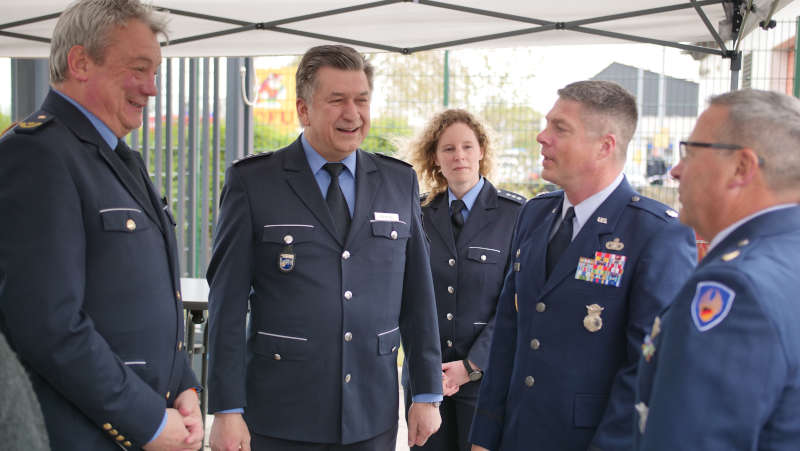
x: 422, y: 151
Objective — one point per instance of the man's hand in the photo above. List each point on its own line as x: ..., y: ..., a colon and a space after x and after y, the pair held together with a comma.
x: 478, y: 448
x: 188, y: 404
x: 229, y: 433
x: 423, y: 421
x: 173, y: 436
x: 454, y: 375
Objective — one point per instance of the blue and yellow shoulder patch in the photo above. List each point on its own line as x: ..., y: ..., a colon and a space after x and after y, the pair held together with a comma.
x: 33, y: 123
x: 653, y: 206
x: 514, y: 197
x: 392, y: 159
x: 252, y: 157
x: 711, y: 304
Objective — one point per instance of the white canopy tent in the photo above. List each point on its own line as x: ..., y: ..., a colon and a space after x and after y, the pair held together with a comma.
x: 276, y: 27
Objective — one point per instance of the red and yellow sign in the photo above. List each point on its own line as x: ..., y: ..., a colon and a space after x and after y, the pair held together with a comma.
x: 276, y: 97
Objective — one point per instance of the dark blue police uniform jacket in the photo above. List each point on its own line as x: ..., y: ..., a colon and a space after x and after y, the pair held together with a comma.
x: 89, y: 297
x: 320, y: 363
x: 561, y: 377
x: 723, y: 371
x: 473, y: 269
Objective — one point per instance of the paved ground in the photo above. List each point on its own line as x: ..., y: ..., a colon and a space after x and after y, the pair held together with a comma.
x: 402, y: 432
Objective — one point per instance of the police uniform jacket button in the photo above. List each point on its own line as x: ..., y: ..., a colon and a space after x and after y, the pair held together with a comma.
x: 449, y: 343
x: 177, y: 295
x: 451, y: 290
x: 107, y: 426
x: 393, y: 234
x: 276, y: 356
x: 541, y: 307
x: 535, y: 344
x: 120, y: 438
x: 113, y: 432
x: 451, y: 262
x: 449, y: 316
x: 127, y: 443
x: 346, y: 255
x: 483, y: 258
x: 168, y: 393
x: 130, y: 224
x: 288, y: 239
x: 348, y: 336
x: 529, y: 381
x: 348, y: 295
x: 180, y: 345
x: 347, y: 378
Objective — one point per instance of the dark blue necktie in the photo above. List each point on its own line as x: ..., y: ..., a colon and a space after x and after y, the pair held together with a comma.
x: 560, y: 241
x: 337, y: 204
x: 458, y: 206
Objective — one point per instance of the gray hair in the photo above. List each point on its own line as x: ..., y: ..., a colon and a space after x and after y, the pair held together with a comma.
x: 336, y: 56
x: 769, y: 123
x: 613, y: 106
x: 88, y: 23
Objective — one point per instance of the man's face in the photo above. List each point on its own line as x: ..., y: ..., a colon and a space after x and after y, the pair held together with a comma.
x: 118, y: 89
x: 702, y: 174
x: 569, y: 150
x: 337, y: 119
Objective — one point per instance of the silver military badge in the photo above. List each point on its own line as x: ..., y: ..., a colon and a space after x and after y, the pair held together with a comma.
x: 286, y: 259
x: 592, y: 321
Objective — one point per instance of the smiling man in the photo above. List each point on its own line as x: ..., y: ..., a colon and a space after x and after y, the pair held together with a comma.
x: 323, y: 242
x: 592, y: 265
x: 720, y: 371
x: 89, y: 280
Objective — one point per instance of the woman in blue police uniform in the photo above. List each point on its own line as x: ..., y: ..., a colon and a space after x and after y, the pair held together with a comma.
x: 469, y: 224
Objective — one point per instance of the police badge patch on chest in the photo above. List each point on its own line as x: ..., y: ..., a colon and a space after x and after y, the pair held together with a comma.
x: 286, y: 258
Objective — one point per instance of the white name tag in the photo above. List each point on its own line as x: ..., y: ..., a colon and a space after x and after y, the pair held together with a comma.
x: 388, y: 217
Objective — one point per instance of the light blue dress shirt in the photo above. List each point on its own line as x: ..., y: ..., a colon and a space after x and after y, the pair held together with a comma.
x: 469, y: 198
x: 347, y: 179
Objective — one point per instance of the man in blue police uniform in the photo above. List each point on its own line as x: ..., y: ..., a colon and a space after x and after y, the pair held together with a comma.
x: 325, y: 241
x: 89, y: 297
x: 720, y: 369
x: 588, y: 276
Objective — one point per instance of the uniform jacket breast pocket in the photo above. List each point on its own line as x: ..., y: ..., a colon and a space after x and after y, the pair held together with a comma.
x: 388, y: 341
x: 281, y: 347
x: 287, y: 233
x: 124, y: 219
x: 142, y: 369
x: 392, y: 230
x: 484, y: 255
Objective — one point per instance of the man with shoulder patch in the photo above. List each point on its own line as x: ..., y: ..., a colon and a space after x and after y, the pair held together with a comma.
x: 719, y: 370
x: 89, y: 280
x: 323, y: 242
x: 592, y: 265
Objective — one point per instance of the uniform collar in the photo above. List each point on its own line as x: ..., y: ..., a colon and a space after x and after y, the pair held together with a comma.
x: 731, y: 228
x: 469, y: 197
x: 315, y: 160
x: 585, y: 209
x: 105, y: 132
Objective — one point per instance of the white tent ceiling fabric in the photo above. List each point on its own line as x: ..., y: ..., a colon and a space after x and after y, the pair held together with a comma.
x: 287, y: 27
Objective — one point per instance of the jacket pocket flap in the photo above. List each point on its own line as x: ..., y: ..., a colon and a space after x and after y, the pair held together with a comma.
x: 124, y: 219
x: 287, y: 233
x: 390, y: 229
x: 389, y: 341
x: 281, y: 347
x: 483, y: 254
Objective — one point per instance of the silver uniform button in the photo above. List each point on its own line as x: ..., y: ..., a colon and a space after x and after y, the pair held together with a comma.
x: 393, y: 234
x: 451, y: 290
x: 535, y: 344
x: 449, y: 316
x: 346, y: 255
x: 288, y: 239
x: 483, y: 258
x: 529, y: 381
x: 541, y: 307
x: 276, y: 356
x: 451, y: 262
x: 449, y: 343
x: 348, y: 295
x: 347, y: 378
x: 348, y: 336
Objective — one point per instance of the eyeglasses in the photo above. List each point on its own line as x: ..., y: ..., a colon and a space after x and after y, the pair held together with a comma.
x: 684, y: 147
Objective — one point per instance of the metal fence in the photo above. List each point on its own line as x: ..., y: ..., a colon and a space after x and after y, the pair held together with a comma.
x: 183, y: 137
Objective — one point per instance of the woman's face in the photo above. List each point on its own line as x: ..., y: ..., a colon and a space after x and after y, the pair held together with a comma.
x: 458, y: 154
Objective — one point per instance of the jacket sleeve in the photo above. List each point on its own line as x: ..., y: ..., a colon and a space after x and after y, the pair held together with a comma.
x: 42, y: 283
x: 229, y: 279
x: 419, y: 326
x: 663, y: 267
